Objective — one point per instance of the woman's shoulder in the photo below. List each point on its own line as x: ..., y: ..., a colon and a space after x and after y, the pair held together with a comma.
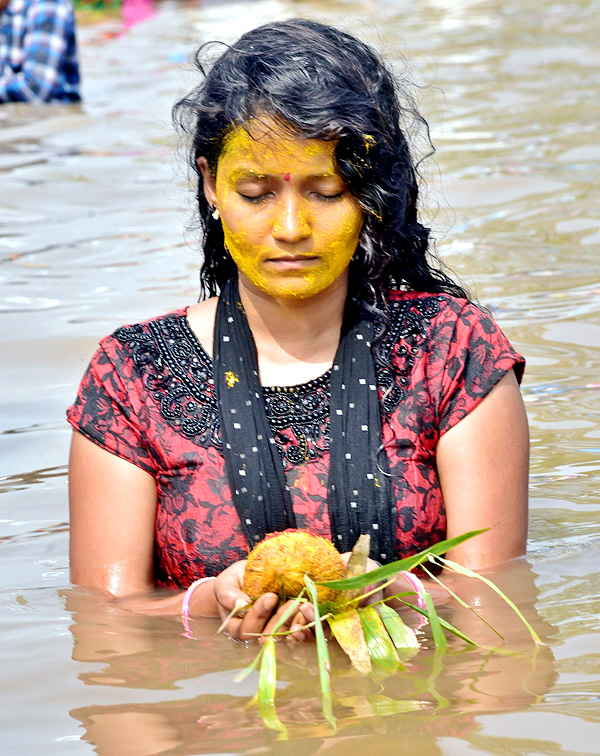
x: 432, y: 308
x: 192, y: 325
x: 449, y: 323
x: 442, y: 329
x: 440, y: 308
x: 152, y: 345
x: 423, y: 298
x: 148, y: 331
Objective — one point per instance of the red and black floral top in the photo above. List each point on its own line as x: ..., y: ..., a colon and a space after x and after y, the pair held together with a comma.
x: 148, y: 397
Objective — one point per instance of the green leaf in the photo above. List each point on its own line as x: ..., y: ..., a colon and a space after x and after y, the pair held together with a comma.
x: 322, y: 656
x: 403, y: 637
x: 290, y: 610
x: 446, y: 625
x: 409, y: 563
x: 469, y: 573
x: 245, y: 672
x: 267, y: 681
x: 381, y: 648
x: 436, y: 628
x: 460, y: 601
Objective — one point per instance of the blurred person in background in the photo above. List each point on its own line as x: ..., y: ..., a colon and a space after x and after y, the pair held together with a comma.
x: 38, y: 51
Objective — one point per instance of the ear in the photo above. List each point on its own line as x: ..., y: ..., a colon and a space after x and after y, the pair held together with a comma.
x: 210, y: 191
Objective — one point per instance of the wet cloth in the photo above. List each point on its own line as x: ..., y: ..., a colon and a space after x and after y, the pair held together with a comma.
x: 38, y: 52
x: 148, y: 396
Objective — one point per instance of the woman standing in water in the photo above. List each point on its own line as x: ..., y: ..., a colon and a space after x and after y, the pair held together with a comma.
x: 331, y: 379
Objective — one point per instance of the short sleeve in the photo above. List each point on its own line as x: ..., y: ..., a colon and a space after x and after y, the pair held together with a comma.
x: 478, y: 358
x: 104, y: 413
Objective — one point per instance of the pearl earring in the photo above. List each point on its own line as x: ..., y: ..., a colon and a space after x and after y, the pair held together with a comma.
x: 215, y: 213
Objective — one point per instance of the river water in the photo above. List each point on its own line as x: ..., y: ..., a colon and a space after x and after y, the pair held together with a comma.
x: 93, y: 235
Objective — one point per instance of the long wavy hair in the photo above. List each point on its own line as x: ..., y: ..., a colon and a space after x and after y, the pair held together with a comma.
x: 319, y: 83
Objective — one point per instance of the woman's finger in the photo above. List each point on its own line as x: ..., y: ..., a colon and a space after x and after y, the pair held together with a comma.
x: 300, y: 632
x: 256, y: 618
x: 231, y: 601
x: 378, y: 596
x: 276, y: 619
x: 308, y: 611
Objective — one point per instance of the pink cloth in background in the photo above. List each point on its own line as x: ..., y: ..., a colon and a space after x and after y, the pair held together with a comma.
x: 134, y: 11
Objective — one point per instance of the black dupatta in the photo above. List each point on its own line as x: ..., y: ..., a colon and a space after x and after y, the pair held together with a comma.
x: 359, y: 497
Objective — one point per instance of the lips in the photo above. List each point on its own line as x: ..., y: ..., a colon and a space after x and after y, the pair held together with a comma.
x: 292, y: 258
x: 291, y: 264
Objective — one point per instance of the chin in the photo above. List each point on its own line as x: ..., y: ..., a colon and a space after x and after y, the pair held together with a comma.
x: 298, y: 288
x: 294, y: 293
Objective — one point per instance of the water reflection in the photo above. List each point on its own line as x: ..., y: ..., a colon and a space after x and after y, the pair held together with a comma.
x: 202, y: 710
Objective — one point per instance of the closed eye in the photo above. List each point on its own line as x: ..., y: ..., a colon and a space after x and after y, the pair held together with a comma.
x: 258, y: 198
x: 254, y: 200
x: 330, y: 197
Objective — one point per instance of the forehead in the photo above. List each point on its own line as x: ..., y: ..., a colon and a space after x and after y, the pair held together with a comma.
x: 266, y: 147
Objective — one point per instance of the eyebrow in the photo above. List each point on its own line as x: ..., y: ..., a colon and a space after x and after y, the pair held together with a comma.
x: 247, y: 174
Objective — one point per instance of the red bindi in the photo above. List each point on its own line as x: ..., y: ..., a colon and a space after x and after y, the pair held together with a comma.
x: 286, y: 177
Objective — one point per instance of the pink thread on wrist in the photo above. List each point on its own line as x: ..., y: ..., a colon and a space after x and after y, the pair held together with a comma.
x: 185, y: 604
x: 418, y: 586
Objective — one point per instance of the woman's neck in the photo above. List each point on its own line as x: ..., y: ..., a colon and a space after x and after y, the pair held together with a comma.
x: 296, y: 340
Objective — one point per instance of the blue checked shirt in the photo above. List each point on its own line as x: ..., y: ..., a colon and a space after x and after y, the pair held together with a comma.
x: 38, y: 52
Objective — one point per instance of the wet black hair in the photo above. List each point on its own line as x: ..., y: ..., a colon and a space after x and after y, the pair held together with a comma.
x: 322, y: 83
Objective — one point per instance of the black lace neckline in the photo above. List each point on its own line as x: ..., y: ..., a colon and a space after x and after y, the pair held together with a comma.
x: 177, y: 372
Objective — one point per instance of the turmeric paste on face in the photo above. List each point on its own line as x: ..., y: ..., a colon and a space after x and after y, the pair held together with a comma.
x: 289, y: 222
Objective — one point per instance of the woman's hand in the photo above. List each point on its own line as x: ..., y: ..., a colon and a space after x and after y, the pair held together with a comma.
x: 262, y: 615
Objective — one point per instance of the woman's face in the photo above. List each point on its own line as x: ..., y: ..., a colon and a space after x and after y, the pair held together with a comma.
x: 290, y: 224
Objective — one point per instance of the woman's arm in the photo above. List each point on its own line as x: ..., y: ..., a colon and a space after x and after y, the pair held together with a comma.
x: 113, y: 514
x: 483, y: 466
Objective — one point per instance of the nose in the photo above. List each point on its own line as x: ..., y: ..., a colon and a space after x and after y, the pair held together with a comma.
x: 292, y: 222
